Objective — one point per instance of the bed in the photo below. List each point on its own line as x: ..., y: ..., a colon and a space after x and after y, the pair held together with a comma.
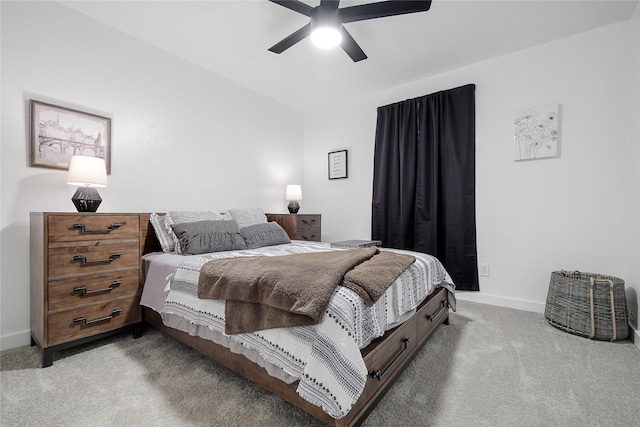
x: 364, y: 347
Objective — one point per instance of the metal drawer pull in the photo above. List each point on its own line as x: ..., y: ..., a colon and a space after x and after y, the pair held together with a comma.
x: 308, y: 222
x: 443, y: 306
x: 84, y: 290
x: 379, y: 374
x: 84, y: 320
x: 97, y: 261
x: 109, y: 229
x: 309, y: 238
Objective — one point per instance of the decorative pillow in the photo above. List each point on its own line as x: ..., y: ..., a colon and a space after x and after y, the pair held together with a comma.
x: 163, y: 232
x: 179, y: 217
x: 246, y: 217
x: 207, y: 236
x: 264, y: 234
x: 226, y: 216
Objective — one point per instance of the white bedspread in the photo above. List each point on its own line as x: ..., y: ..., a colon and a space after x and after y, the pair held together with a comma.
x: 326, y: 357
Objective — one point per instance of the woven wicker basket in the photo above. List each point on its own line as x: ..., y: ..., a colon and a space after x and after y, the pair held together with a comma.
x: 587, y: 304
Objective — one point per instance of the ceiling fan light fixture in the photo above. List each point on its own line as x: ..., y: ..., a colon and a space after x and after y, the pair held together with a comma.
x: 326, y: 19
x: 326, y: 37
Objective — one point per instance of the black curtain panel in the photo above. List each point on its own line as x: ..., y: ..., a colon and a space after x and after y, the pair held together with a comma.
x: 424, y: 180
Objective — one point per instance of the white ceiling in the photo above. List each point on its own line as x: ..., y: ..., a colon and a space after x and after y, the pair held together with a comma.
x: 231, y: 38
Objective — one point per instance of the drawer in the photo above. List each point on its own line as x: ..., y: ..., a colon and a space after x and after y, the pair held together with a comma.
x: 308, y: 227
x: 64, y: 228
x: 92, y: 289
x: 308, y: 221
x: 310, y: 234
x: 432, y: 313
x: 92, y: 319
x: 92, y: 257
x: 299, y: 226
x: 385, y: 358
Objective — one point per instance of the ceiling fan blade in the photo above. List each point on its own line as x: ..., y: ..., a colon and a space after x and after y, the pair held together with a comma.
x: 382, y: 9
x: 289, y: 41
x: 350, y: 46
x: 295, y: 5
x: 333, y: 4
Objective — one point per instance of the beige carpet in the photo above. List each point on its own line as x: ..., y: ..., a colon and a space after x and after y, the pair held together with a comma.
x: 491, y: 367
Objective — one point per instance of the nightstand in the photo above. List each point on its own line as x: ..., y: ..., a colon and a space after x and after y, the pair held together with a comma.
x: 299, y: 226
x: 355, y: 244
x: 85, y: 278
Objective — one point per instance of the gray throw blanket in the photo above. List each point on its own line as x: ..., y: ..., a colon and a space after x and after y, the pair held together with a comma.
x: 294, y: 290
x: 371, y: 279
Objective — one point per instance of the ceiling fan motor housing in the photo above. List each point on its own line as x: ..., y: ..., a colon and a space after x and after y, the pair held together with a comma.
x: 325, y: 17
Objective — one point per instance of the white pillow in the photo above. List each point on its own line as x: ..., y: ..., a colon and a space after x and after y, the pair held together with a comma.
x: 247, y: 217
x: 163, y: 233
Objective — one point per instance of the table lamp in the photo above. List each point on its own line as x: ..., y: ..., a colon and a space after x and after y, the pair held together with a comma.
x: 294, y: 193
x: 87, y: 173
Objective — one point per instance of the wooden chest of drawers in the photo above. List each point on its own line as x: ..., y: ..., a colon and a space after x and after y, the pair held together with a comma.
x: 85, y: 277
x: 299, y: 226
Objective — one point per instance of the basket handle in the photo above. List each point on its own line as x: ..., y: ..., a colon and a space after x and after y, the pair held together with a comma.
x: 611, y: 302
x: 571, y: 274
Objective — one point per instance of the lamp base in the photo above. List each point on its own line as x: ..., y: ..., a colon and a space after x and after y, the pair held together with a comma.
x: 86, y: 199
x: 293, y: 207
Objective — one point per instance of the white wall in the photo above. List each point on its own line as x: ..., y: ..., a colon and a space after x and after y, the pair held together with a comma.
x: 183, y: 138
x: 578, y: 211
x: 633, y: 169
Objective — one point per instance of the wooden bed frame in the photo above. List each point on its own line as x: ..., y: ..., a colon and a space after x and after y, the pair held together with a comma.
x: 385, y: 358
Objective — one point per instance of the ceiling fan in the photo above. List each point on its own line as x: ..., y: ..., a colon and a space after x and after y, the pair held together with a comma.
x: 326, y: 29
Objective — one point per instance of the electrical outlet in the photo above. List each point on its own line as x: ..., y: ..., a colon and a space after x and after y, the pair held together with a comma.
x: 483, y: 269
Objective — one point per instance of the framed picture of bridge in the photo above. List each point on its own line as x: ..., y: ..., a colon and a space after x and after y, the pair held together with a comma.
x: 57, y: 133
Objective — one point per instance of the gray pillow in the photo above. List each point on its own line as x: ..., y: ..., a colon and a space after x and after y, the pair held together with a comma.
x: 265, y: 234
x: 207, y: 236
x: 179, y: 217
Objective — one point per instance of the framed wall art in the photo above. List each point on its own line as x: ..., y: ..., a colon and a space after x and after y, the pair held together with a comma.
x: 537, y: 133
x: 57, y: 133
x: 338, y: 164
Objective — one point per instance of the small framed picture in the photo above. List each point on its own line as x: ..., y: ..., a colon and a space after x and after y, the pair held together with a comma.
x: 57, y: 133
x: 338, y: 164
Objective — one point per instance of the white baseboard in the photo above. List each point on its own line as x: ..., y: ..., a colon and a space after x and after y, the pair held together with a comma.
x: 518, y: 304
x: 15, y: 340
x: 636, y: 338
